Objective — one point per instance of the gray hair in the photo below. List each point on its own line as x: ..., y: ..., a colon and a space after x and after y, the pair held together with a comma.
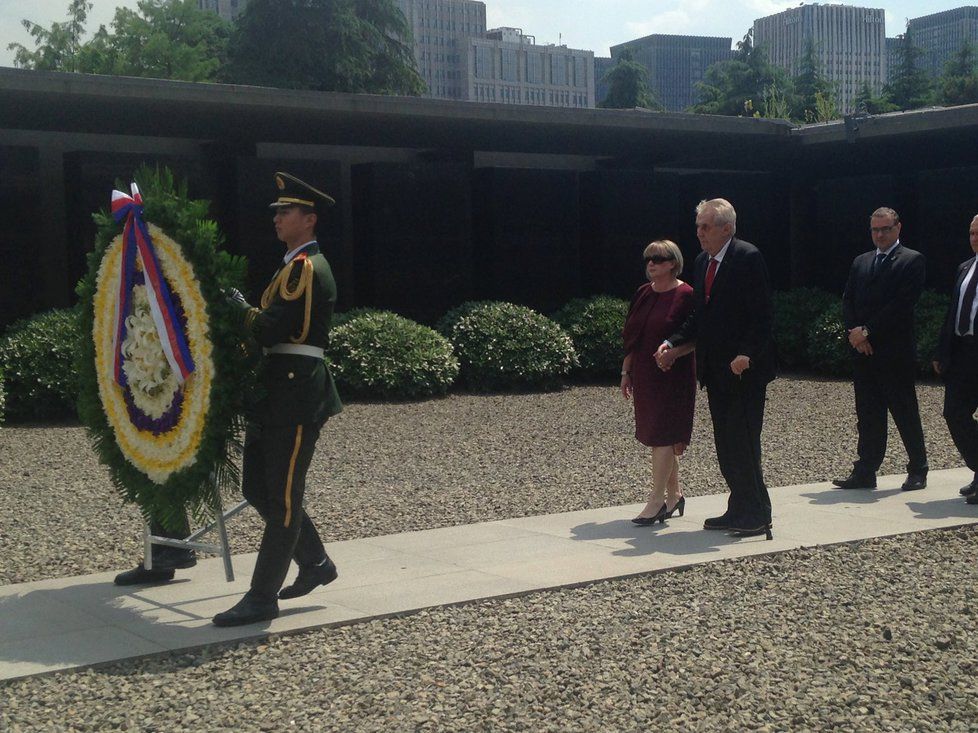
x: 666, y: 248
x: 886, y: 211
x: 723, y: 212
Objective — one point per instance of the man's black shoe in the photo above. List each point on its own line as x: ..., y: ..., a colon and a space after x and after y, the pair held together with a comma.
x: 915, y: 482
x: 752, y: 529
x: 721, y: 522
x: 856, y: 481
x: 249, y: 610
x: 973, y: 499
x: 173, y: 558
x: 141, y: 576
x: 969, y: 489
x: 310, y: 578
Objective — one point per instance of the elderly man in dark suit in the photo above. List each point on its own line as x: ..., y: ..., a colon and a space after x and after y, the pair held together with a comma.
x: 731, y: 327
x: 957, y: 363
x: 878, y: 309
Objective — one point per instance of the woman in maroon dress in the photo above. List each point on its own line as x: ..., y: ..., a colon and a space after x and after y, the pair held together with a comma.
x: 663, y: 399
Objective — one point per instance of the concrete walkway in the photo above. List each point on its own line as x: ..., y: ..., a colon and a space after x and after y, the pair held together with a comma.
x: 76, y: 622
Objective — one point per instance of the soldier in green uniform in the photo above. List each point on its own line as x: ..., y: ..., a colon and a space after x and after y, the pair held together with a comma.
x: 292, y: 326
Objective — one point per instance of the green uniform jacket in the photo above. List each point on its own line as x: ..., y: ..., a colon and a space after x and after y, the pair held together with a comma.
x: 298, y: 389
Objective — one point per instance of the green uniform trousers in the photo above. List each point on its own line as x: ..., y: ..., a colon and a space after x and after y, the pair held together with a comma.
x: 276, y: 459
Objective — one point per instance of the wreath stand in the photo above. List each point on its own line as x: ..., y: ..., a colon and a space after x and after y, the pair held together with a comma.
x: 191, y: 543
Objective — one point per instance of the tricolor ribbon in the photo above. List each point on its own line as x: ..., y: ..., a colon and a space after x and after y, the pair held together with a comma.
x: 136, y: 242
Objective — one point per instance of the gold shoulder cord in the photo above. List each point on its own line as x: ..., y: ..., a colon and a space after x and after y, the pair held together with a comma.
x: 280, y: 286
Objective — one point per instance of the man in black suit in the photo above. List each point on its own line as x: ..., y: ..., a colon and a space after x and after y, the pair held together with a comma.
x: 877, y: 307
x: 731, y: 326
x: 957, y: 362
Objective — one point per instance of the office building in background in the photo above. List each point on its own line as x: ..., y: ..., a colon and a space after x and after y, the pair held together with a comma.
x: 675, y: 64
x: 508, y: 66
x: 941, y: 35
x: 442, y: 29
x: 227, y: 9
x: 850, y: 44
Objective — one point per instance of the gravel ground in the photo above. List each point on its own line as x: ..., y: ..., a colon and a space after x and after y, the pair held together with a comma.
x: 387, y: 468
x: 873, y: 636
x: 866, y: 637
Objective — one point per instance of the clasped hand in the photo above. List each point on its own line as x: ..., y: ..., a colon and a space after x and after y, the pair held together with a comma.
x: 665, y: 357
x: 859, y: 341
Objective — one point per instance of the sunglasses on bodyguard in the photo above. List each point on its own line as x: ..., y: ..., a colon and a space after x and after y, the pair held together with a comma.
x: 658, y: 259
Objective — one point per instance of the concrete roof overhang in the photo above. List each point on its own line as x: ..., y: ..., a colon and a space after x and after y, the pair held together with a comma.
x: 84, y: 103
x: 928, y: 122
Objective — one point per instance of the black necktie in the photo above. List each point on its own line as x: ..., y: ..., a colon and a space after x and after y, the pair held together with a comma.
x: 967, y: 303
x: 877, y: 262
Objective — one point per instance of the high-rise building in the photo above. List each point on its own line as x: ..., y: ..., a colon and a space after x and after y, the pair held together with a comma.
x: 850, y: 44
x: 442, y: 29
x: 602, y: 65
x: 890, y: 63
x: 227, y: 9
x: 675, y: 64
x: 942, y: 35
x: 505, y: 65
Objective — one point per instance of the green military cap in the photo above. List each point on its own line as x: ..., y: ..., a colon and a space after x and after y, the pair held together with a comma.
x: 293, y: 192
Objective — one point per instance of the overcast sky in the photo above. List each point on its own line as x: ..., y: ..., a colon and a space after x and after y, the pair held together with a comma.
x: 590, y: 24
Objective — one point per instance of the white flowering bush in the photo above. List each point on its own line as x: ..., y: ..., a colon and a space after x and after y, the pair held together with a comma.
x: 508, y: 346
x: 36, y: 358
x: 382, y: 355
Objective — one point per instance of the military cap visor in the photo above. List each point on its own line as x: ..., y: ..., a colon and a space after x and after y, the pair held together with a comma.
x: 293, y: 192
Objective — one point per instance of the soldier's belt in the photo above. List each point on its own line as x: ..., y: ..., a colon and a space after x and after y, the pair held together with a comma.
x: 296, y: 350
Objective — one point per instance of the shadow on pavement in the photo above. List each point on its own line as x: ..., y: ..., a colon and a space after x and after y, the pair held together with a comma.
x: 648, y: 540
x: 850, y: 496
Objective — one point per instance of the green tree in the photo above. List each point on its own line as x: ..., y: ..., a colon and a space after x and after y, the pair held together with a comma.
x: 55, y: 48
x: 959, y: 82
x: 327, y: 45
x: 910, y: 87
x: 745, y: 85
x: 165, y: 39
x: 871, y: 103
x: 628, y: 85
x: 814, y: 94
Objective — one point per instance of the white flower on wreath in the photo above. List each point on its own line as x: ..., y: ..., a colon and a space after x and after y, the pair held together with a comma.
x: 152, y: 383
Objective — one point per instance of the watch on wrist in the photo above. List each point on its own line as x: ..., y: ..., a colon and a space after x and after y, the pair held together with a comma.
x: 865, y: 332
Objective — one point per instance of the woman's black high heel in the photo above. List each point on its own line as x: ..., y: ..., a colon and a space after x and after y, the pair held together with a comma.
x: 647, y: 521
x: 665, y: 514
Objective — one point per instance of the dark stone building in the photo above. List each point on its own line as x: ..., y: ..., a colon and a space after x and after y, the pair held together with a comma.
x: 441, y: 202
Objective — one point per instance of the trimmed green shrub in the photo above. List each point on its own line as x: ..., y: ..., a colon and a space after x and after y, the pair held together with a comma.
x: 341, y: 319
x: 447, y: 322
x: 795, y: 312
x: 382, y: 355
x: 929, y: 316
x: 828, y: 347
x: 508, y: 346
x: 594, y: 325
x: 37, y: 360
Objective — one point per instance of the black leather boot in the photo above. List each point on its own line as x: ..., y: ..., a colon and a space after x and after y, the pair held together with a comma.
x: 310, y: 578
x: 251, y: 609
x: 141, y: 576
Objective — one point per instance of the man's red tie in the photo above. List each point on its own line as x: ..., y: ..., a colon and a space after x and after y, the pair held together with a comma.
x: 711, y: 272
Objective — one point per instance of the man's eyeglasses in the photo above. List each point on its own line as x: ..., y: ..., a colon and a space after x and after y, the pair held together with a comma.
x: 881, y: 230
x: 658, y: 259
